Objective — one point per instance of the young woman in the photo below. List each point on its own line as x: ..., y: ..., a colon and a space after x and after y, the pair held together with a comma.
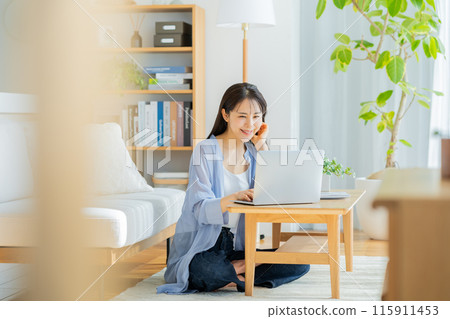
x: 207, y: 250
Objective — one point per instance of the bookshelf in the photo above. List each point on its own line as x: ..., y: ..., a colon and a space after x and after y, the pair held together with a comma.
x: 193, y: 55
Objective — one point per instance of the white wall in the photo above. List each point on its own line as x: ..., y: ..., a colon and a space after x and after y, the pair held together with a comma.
x: 274, y: 63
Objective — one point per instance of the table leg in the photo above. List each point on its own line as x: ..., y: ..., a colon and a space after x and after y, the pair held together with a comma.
x: 333, y: 229
x: 276, y: 235
x: 348, y: 239
x: 250, y: 251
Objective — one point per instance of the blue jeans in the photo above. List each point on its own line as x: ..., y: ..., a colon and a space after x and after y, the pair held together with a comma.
x: 212, y: 269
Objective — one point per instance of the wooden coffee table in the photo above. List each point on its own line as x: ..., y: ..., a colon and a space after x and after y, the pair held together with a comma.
x: 301, y: 249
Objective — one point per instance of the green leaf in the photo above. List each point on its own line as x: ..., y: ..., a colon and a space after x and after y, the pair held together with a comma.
x: 320, y: 8
x: 366, y: 103
x: 433, y: 47
x: 404, y: 6
x: 383, y: 3
x: 435, y: 92
x: 365, y: 109
x: 422, y: 96
x: 433, y: 24
x: 338, y: 66
x: 375, y: 13
x: 365, y: 3
x: 424, y: 104
x: 365, y: 43
x: 342, y: 38
x: 383, y: 59
x: 405, y: 143
x: 426, y: 48
x: 421, y: 29
x: 338, y: 48
x: 390, y: 151
x: 383, y: 97
x: 408, y: 23
x: 417, y: 3
x: 344, y: 56
x: 374, y: 31
x: 394, y: 7
x: 431, y: 3
x: 340, y: 3
x: 381, y: 126
x: 369, y: 116
x: 396, y: 69
x: 415, y: 44
x: 440, y: 45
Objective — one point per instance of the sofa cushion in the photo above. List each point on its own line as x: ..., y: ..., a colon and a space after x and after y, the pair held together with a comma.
x: 16, y: 179
x: 142, y: 215
x: 113, y: 221
x: 111, y: 170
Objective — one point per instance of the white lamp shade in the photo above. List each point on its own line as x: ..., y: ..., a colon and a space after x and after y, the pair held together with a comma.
x: 257, y: 13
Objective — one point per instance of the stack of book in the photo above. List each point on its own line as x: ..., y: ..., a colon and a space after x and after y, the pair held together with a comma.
x: 169, y: 77
x: 158, y: 123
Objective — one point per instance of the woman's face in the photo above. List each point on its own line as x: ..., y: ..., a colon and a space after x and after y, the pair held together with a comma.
x: 244, y: 120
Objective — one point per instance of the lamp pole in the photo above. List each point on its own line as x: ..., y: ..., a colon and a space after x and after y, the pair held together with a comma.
x: 245, y: 53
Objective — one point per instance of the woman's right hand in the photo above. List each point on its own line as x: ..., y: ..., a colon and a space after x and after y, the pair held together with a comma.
x: 246, y: 195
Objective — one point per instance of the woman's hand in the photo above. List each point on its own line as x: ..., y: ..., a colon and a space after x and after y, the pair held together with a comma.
x: 246, y: 195
x: 259, y: 139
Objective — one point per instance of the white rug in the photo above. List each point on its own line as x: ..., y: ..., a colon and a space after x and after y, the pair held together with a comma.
x: 364, y: 283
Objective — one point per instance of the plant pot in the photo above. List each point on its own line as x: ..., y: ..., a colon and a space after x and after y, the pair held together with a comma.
x: 326, y: 183
x: 374, y: 221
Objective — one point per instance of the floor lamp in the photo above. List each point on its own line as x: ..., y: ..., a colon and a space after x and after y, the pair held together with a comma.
x: 243, y: 14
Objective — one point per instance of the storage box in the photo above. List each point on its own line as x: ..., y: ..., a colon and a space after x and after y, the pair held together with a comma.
x: 172, y: 40
x: 173, y: 27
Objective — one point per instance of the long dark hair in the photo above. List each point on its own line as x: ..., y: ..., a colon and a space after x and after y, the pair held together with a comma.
x: 234, y: 95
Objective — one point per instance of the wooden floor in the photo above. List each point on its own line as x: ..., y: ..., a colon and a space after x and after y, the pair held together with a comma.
x: 127, y: 273
x: 153, y: 260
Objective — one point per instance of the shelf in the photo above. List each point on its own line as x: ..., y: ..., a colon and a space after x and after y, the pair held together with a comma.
x: 159, y: 148
x: 145, y: 8
x: 170, y: 181
x: 150, y: 92
x: 149, y: 50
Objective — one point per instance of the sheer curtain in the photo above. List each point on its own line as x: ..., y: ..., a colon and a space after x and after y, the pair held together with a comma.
x: 330, y: 103
x: 440, y: 107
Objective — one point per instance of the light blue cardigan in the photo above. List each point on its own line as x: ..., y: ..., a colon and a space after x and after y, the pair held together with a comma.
x: 201, y: 220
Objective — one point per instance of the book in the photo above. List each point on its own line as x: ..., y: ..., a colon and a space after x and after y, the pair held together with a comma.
x: 166, y: 125
x: 180, y: 123
x: 173, y: 123
x: 160, y: 123
x: 151, y: 123
x: 191, y: 129
x: 169, y: 81
x: 168, y: 69
x: 187, y: 124
x: 174, y: 175
x: 124, y: 120
x: 171, y: 76
x: 132, y: 112
x: 158, y: 86
x: 141, y: 115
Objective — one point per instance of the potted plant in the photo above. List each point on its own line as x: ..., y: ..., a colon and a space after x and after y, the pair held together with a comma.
x: 398, y: 34
x: 332, y: 167
x: 123, y: 75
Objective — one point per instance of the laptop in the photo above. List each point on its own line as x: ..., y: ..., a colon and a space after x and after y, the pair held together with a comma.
x: 281, y: 178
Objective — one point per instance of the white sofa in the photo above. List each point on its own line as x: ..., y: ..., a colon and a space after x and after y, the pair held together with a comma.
x: 137, y: 215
